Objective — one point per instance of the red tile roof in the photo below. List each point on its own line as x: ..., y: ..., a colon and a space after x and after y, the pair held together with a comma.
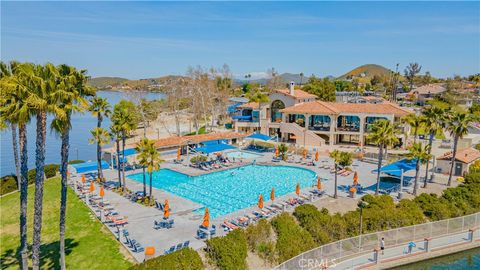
x: 299, y: 94
x: 321, y: 107
x: 467, y: 155
x: 252, y: 105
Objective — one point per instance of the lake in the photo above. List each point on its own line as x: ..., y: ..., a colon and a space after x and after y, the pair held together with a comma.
x: 469, y: 259
x: 82, y: 123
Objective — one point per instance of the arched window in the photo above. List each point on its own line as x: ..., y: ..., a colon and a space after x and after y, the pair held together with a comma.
x: 276, y: 106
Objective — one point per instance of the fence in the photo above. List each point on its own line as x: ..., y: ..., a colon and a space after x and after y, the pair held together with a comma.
x: 364, y: 244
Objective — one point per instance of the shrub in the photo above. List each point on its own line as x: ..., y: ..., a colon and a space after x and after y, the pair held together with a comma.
x: 259, y: 239
x: 31, y: 176
x: 51, y: 170
x: 314, y: 221
x: 198, y: 159
x: 230, y: 251
x: 76, y: 161
x: 183, y: 259
x: 8, y: 183
x: 291, y: 238
x: 434, y: 207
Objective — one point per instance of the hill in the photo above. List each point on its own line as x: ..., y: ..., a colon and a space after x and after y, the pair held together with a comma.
x: 366, y: 71
x: 287, y: 77
x: 103, y: 82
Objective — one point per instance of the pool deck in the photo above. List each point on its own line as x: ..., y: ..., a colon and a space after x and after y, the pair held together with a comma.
x: 141, y: 218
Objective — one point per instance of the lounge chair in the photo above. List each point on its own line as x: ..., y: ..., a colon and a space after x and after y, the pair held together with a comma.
x: 179, y: 246
x: 229, y: 226
x: 318, y: 192
x: 172, y: 249
x: 186, y: 244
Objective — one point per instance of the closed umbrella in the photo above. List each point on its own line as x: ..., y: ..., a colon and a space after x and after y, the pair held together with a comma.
x: 297, y: 189
x: 316, y: 155
x: 166, y: 206
x: 92, y: 187
x: 276, y: 151
x: 83, y: 178
x: 166, y: 213
x: 260, y: 201
x: 206, y: 218
x: 319, y: 183
x: 178, y: 153
x: 304, y: 153
x: 355, y: 179
x: 102, y: 192
x: 272, y: 194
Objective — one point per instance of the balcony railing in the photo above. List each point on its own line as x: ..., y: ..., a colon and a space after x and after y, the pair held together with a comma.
x: 348, y: 128
x: 319, y: 127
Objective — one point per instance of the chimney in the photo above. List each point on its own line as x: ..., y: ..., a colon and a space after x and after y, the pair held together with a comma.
x: 292, y: 88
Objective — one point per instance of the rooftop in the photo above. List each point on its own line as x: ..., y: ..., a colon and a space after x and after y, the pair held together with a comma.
x: 429, y: 89
x: 321, y: 107
x: 251, y: 105
x: 467, y: 155
x: 297, y: 93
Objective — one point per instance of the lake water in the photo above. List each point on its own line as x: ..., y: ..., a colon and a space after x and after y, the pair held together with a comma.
x: 469, y: 259
x: 82, y: 123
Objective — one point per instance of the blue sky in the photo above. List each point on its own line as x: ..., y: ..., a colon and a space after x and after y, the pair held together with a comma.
x: 146, y: 39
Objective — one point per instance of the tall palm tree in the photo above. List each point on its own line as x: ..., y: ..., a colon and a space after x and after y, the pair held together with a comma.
x: 415, y: 122
x: 150, y: 158
x: 42, y: 99
x: 116, y: 132
x: 99, y: 108
x: 458, y: 124
x: 140, y: 148
x: 259, y: 97
x: 336, y: 156
x: 383, y: 134
x: 101, y: 137
x: 421, y: 154
x: 72, y: 90
x: 434, y: 121
x: 14, y: 91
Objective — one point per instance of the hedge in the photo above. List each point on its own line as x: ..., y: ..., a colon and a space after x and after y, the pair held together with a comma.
x: 260, y: 240
x: 183, y: 259
x: 8, y: 183
x: 291, y: 238
x: 76, y: 161
x: 229, y: 252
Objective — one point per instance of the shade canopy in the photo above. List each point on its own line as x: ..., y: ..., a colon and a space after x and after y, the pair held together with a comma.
x: 128, y: 152
x: 212, y: 148
x: 395, y: 169
x: 259, y: 136
x: 88, y: 166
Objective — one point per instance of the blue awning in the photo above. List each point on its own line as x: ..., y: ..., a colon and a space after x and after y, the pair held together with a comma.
x: 214, y: 142
x: 89, y: 166
x: 259, y: 136
x: 396, y: 168
x: 129, y: 152
x: 212, y: 148
x: 242, y: 117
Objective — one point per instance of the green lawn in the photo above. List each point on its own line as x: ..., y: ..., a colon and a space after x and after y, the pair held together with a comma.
x: 89, y: 245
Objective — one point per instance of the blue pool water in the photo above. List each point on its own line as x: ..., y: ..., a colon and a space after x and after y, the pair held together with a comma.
x: 465, y: 260
x: 234, y: 189
x: 241, y: 154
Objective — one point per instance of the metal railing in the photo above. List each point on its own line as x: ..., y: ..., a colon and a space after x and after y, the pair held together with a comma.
x: 364, y: 244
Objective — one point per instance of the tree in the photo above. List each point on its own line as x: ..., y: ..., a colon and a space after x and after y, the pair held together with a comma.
x: 176, y: 89
x: 14, y: 93
x: 72, y: 90
x: 283, y: 148
x: 434, y: 121
x: 141, y: 147
x: 323, y: 88
x: 301, y: 78
x: 274, y: 81
x: 99, y: 108
x: 421, y: 154
x: 260, y: 98
x: 383, y: 134
x: 411, y: 71
x: 101, y: 137
x: 415, y: 122
x: 116, y: 132
x: 337, y: 158
x: 150, y: 158
x: 457, y: 124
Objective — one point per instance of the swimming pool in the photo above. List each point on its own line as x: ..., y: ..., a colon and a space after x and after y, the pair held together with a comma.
x: 242, y: 154
x: 227, y: 191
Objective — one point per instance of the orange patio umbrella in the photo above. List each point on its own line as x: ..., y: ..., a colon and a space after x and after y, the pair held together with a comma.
x: 297, y: 189
x: 92, y: 187
x: 206, y: 218
x: 316, y: 155
x: 319, y: 183
x: 166, y: 213
x: 276, y: 151
x: 166, y: 206
x: 102, y: 192
x: 149, y: 251
x: 179, y: 153
x: 83, y: 178
x: 272, y: 194
x: 260, y: 201
x: 304, y: 153
x: 355, y: 178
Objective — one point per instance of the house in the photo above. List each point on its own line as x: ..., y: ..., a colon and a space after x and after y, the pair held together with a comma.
x: 425, y: 93
x: 464, y: 158
x: 296, y: 116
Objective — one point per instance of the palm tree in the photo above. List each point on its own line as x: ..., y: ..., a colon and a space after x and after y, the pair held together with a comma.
x: 116, y: 132
x: 336, y: 156
x: 140, y: 148
x: 384, y: 134
x: 99, y: 108
x: 16, y: 108
x: 125, y: 117
x: 434, y: 121
x: 458, y: 124
x: 150, y: 158
x: 259, y: 97
x: 301, y: 78
x: 421, y: 154
x: 415, y: 122
x: 101, y: 137
x: 72, y: 91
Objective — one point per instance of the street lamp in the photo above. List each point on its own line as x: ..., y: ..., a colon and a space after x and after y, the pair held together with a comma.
x: 158, y: 133
x: 361, y: 205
